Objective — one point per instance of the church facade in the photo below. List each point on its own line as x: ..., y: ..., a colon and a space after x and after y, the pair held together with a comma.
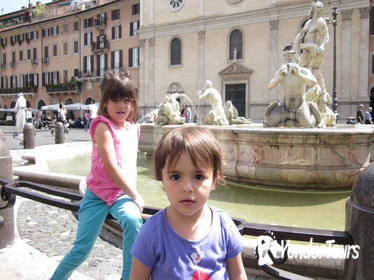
x: 238, y: 45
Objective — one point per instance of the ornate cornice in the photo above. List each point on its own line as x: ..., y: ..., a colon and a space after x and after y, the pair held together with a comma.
x: 274, y: 24
x: 346, y: 14
x: 364, y: 12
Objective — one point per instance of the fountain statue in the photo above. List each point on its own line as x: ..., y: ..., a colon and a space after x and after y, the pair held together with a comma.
x: 294, y: 111
x: 310, y: 42
x: 232, y: 114
x: 21, y: 113
x: 322, y: 99
x: 169, y: 110
x: 216, y: 116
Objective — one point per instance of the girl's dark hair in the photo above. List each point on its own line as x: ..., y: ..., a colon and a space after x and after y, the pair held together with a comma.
x: 198, y: 142
x: 118, y: 84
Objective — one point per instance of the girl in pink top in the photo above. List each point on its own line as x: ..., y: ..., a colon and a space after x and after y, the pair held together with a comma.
x: 111, y: 183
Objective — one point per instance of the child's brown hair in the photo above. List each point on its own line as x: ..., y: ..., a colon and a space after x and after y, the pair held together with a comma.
x: 198, y: 142
x: 118, y: 84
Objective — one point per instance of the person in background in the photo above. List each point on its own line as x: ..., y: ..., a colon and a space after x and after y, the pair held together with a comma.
x: 111, y: 183
x: 93, y: 112
x: 187, y: 114
x: 188, y: 239
x: 368, y: 117
x: 28, y: 115
x: 360, y: 114
x: 86, y: 119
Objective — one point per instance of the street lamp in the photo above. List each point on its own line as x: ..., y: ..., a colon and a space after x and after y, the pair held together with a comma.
x: 334, y: 97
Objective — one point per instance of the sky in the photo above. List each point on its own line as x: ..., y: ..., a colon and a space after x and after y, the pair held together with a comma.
x: 8, y: 6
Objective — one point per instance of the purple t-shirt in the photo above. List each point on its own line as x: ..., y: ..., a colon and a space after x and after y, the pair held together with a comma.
x: 171, y: 256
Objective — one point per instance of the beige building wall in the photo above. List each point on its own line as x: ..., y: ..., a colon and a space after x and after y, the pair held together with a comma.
x: 67, y: 59
x: 204, y: 28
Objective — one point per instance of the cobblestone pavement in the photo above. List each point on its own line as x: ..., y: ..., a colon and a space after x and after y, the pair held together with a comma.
x: 52, y: 231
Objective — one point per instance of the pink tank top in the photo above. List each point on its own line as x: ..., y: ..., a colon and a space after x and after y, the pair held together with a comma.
x: 126, y: 148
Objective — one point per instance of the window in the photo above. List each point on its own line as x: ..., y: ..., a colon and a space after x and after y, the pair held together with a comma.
x: 55, y: 53
x: 116, y: 32
x: 102, y: 62
x: 65, y: 76
x: 175, y: 52
x: 76, y: 73
x: 88, y: 22
x: 55, y: 77
x: 65, y: 48
x: 29, y: 54
x: 76, y: 46
x: 134, y: 26
x: 13, y: 81
x: 134, y: 57
x: 20, y: 55
x: 116, y: 59
x: 100, y: 19
x: 101, y: 41
x: 46, y: 55
x: 135, y: 9
x: 87, y: 38
x: 4, y: 82
x: 76, y: 25
x: 13, y: 57
x: 45, y: 32
x: 34, y: 53
x: 3, y: 62
x: 54, y: 30
x: 65, y: 28
x: 116, y: 14
x: 88, y: 64
x: 371, y: 21
x: 236, y: 45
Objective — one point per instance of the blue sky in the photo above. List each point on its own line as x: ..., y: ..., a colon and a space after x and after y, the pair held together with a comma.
x: 14, y: 5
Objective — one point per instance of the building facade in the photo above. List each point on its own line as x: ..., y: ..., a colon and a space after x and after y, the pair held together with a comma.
x: 59, y: 52
x: 237, y: 44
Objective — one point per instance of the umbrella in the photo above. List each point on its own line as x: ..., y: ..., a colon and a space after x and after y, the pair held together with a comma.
x: 77, y: 106
x: 52, y: 107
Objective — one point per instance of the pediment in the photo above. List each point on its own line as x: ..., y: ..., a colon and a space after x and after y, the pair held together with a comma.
x: 235, y: 68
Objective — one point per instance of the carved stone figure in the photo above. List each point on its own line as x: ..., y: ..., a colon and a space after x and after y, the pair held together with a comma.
x: 232, y: 114
x: 216, y: 116
x: 311, y: 41
x: 322, y: 99
x: 169, y: 111
x: 295, y: 111
x: 21, y: 113
x: 148, y: 118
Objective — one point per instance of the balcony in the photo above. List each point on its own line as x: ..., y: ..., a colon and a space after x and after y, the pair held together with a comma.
x: 13, y: 64
x: 28, y: 89
x: 34, y: 61
x: 100, y: 47
x: 3, y: 66
x: 45, y: 59
x: 101, y: 23
x: 68, y: 87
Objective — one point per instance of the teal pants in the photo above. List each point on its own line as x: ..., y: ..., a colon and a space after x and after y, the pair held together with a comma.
x: 92, y: 214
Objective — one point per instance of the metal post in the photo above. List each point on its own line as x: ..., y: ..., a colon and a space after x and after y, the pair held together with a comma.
x: 29, y: 136
x: 59, y: 133
x: 334, y: 97
x: 359, y: 223
x: 8, y: 225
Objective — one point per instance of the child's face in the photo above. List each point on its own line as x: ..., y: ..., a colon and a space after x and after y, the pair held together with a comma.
x: 119, y: 109
x: 187, y: 186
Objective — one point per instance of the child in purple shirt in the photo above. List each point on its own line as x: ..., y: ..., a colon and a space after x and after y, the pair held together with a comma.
x: 188, y: 239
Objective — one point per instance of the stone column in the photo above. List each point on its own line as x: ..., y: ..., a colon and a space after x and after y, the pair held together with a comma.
x: 200, y: 59
x: 346, y: 54
x: 359, y: 223
x: 151, y: 73
x: 8, y: 228
x: 363, y: 91
x: 274, y: 51
x: 142, y: 89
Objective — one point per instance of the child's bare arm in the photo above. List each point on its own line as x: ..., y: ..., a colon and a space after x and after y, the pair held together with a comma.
x: 236, y: 268
x: 140, y: 271
x: 104, y: 141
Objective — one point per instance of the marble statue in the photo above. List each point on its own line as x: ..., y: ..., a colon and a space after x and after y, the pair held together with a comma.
x: 322, y: 99
x: 294, y: 111
x: 232, y: 114
x: 148, y: 118
x: 21, y: 113
x: 310, y: 42
x: 216, y: 116
x: 169, y: 111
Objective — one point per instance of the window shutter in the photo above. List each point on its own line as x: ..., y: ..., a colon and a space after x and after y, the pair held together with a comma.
x: 112, y: 60
x: 113, y: 31
x: 43, y: 33
x: 106, y: 62
x: 92, y: 63
x: 130, y: 57
x: 98, y: 65
x: 120, y: 58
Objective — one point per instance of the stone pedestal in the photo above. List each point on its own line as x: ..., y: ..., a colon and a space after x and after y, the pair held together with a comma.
x: 8, y: 228
x: 360, y: 224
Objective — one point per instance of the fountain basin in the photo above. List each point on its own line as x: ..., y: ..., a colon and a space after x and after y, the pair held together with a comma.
x: 301, y: 158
